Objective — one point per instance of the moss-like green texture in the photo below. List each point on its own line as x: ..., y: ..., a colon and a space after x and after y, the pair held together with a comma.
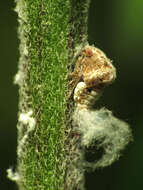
x: 49, y: 32
x: 46, y: 38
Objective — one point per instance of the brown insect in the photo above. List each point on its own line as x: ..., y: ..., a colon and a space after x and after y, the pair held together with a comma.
x: 93, y: 68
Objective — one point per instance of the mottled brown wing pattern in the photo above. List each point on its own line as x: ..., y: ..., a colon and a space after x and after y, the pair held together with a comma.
x: 92, y: 72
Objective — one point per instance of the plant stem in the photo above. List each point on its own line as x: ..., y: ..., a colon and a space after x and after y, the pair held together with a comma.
x: 49, y: 32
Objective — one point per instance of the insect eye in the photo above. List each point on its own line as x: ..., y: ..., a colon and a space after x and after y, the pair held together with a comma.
x: 89, y: 52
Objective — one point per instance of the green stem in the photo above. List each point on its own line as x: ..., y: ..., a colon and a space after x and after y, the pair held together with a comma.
x: 49, y: 33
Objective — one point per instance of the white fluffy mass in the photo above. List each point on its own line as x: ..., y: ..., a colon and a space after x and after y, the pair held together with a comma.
x: 101, y: 126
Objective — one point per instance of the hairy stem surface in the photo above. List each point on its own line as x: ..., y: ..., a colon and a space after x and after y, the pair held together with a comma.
x: 49, y: 32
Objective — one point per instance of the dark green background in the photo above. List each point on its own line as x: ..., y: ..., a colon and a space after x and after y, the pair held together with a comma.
x: 117, y: 28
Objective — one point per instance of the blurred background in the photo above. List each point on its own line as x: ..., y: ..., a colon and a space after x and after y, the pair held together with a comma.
x: 9, y: 92
x: 117, y: 28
